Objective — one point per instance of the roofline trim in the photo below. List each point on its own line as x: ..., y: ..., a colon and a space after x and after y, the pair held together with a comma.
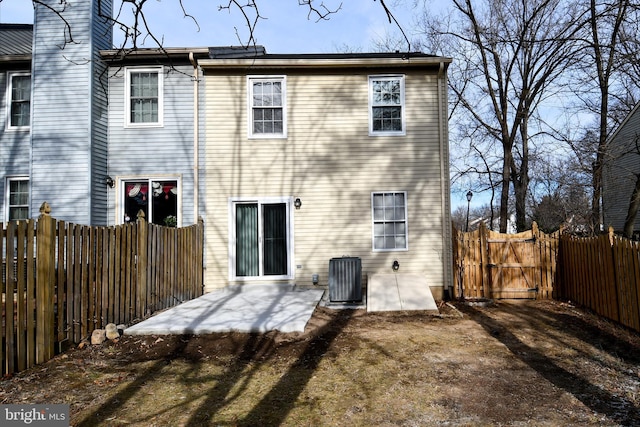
x: 124, y: 54
x: 314, y: 63
x: 15, y: 58
x: 615, y: 133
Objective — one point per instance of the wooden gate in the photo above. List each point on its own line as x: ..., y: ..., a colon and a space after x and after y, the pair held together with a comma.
x: 512, y: 266
x: 492, y: 265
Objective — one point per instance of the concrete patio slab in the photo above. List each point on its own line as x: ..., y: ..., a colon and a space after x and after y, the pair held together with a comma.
x: 245, y: 308
x: 399, y: 291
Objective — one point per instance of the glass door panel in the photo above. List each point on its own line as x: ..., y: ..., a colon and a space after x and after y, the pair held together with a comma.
x: 247, y: 262
x: 275, y: 239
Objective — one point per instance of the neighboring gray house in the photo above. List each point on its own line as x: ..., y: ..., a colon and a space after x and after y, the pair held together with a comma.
x: 54, y: 131
x: 154, y: 155
x: 97, y: 134
x: 15, y: 98
x: 620, y: 171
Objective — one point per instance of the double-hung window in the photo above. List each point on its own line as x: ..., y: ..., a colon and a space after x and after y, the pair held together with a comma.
x: 389, y: 212
x: 19, y: 95
x: 267, y: 107
x: 386, y: 105
x: 17, y: 198
x: 144, y: 96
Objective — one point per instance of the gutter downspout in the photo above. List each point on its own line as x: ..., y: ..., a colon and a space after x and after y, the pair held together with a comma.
x: 196, y: 135
x: 445, y: 204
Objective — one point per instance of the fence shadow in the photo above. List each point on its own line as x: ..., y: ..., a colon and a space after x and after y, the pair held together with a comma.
x: 615, y: 407
x: 272, y: 409
x: 114, y: 404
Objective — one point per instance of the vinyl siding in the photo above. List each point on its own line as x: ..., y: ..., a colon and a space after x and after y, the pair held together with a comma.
x: 619, y: 173
x: 66, y: 166
x: 101, y: 39
x: 154, y: 151
x: 332, y: 164
x: 14, y: 146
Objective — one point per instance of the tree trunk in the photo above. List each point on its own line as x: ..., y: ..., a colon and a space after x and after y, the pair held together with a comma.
x: 521, y: 178
x: 504, y: 193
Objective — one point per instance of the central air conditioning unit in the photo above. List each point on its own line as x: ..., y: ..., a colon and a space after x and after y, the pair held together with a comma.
x: 345, y: 279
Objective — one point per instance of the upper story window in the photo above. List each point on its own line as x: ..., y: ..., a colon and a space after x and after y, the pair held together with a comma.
x: 386, y: 105
x: 144, y: 96
x: 17, y: 198
x: 19, y: 94
x: 389, y: 215
x: 267, y: 105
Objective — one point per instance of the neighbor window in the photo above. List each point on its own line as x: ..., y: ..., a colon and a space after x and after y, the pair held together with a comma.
x: 389, y: 221
x: 144, y: 88
x: 386, y: 105
x: 156, y: 198
x: 17, y: 199
x: 19, y: 94
x: 267, y: 103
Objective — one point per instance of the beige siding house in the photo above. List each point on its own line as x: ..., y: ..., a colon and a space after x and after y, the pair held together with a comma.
x: 312, y: 157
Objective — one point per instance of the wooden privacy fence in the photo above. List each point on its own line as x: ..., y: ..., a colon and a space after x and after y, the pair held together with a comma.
x: 603, y: 274
x: 61, y: 281
x: 491, y: 265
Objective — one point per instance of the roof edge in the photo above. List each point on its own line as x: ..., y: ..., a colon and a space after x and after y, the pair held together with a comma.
x: 119, y: 55
x: 323, y: 61
x: 624, y: 122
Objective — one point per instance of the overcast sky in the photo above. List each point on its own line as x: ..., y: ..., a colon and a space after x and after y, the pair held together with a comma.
x: 287, y: 30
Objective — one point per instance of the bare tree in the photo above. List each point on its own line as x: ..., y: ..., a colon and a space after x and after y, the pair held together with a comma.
x: 609, y: 73
x: 559, y: 195
x: 510, y: 55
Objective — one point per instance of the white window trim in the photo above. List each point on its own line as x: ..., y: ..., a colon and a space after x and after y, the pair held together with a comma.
x: 232, y: 239
x: 9, y: 99
x: 403, y: 108
x: 7, y: 187
x: 120, y: 185
x: 406, y: 222
x: 250, y: 133
x: 127, y: 96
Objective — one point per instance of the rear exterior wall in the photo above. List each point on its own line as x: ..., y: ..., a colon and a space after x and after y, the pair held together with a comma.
x: 331, y: 163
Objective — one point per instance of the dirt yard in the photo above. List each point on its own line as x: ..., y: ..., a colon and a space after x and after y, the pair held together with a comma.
x: 531, y: 363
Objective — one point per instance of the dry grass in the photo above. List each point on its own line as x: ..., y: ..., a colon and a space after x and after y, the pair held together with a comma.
x: 538, y: 363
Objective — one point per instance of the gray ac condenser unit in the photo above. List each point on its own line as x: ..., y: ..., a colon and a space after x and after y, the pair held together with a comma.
x: 345, y: 279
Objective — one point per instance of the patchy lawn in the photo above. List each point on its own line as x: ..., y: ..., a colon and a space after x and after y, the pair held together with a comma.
x: 533, y: 363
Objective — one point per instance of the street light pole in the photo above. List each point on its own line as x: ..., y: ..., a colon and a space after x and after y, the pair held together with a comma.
x: 469, y: 196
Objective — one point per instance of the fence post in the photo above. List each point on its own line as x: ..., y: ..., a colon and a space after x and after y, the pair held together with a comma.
x: 45, y: 275
x: 484, y: 261
x: 200, y: 260
x: 141, y: 266
x: 538, y: 260
x: 614, y: 271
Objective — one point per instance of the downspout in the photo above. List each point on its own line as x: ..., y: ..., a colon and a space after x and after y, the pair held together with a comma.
x: 196, y: 134
x: 444, y: 165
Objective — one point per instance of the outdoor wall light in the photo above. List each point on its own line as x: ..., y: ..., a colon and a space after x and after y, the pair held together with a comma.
x: 396, y: 265
x: 109, y: 181
x: 297, y: 203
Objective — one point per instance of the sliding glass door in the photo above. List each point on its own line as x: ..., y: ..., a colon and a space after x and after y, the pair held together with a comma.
x: 262, y: 239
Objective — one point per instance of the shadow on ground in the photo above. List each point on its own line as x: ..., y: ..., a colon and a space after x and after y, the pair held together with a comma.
x: 253, y: 350
x: 598, y: 399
